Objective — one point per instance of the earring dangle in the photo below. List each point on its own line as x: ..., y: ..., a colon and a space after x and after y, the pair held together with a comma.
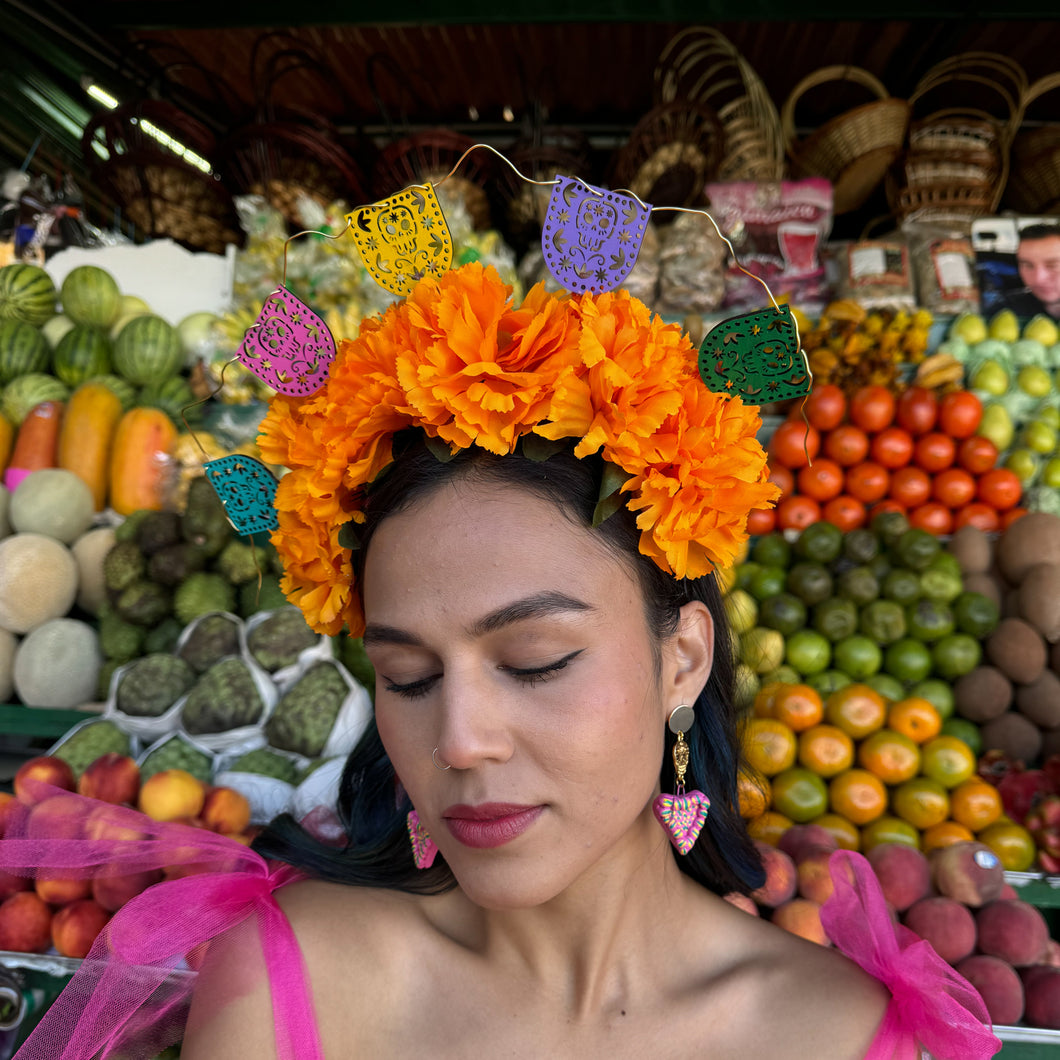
x: 682, y: 814
x: 424, y: 849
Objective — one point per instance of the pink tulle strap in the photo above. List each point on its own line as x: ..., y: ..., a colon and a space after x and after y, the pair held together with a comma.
x: 932, y: 1003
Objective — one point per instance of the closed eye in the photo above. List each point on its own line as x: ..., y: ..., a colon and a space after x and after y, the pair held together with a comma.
x: 526, y: 675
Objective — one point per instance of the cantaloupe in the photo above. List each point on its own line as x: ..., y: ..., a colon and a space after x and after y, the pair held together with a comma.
x: 8, y: 643
x: 89, y: 550
x: 38, y: 581
x: 57, y: 664
x: 54, y: 502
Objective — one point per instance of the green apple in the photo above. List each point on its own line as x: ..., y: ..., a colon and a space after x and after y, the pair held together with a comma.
x: 991, y: 377
x: 1034, y: 380
x: 1005, y: 326
x: 1039, y: 437
x: 997, y: 425
x: 970, y: 327
x: 1051, y: 473
x: 1049, y: 414
x: 1043, y: 329
x: 1025, y: 463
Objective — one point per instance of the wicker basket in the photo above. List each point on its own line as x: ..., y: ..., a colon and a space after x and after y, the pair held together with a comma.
x: 853, y: 150
x: 1034, y: 180
x: 702, y: 66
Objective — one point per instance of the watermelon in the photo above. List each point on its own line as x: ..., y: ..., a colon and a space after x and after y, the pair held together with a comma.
x: 28, y: 391
x: 91, y: 296
x: 26, y: 293
x: 55, y: 329
x: 82, y: 353
x: 148, y: 350
x: 175, y: 398
x: 121, y: 388
x: 22, y: 350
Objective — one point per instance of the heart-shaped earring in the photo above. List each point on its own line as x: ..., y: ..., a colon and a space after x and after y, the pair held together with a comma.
x: 424, y: 849
x: 682, y: 814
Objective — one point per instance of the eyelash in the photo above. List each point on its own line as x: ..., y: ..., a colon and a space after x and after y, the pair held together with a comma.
x: 531, y: 677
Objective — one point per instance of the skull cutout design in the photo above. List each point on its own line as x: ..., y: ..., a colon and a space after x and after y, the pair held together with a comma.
x: 403, y: 238
x: 591, y: 237
x: 247, y: 489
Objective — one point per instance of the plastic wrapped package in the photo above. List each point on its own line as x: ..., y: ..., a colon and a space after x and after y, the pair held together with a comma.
x: 691, y: 266
x: 875, y: 273
x: 943, y: 265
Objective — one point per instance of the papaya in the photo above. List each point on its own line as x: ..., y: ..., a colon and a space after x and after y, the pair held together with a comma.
x: 141, y: 461
x: 87, y: 436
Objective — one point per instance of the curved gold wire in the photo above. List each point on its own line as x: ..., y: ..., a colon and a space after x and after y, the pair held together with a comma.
x: 310, y: 232
x: 202, y: 401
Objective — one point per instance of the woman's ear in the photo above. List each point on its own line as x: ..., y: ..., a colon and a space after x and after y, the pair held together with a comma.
x: 690, y: 656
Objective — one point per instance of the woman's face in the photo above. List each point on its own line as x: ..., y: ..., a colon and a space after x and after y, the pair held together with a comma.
x: 516, y: 644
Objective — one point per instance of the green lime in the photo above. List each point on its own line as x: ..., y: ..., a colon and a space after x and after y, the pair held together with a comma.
x: 858, y: 584
x: 880, y: 566
x: 860, y: 545
x: 916, y: 548
x: 741, y: 609
x: 908, y: 660
x: 887, y: 685
x: 799, y: 794
x: 771, y: 550
x: 882, y: 621
x: 858, y: 657
x: 810, y: 582
x: 937, y: 692
x: 767, y: 582
x: 762, y: 649
x: 929, y: 620
x: 940, y: 585
x: 828, y: 681
x: 889, y: 526
x: 956, y: 655
x: 975, y: 614
x: 964, y: 730
x: 745, y: 686
x: 784, y: 612
x: 808, y: 652
x: 946, y: 562
x: 745, y: 572
x: 902, y: 586
x: 782, y: 675
x: 820, y: 542
x: 836, y: 618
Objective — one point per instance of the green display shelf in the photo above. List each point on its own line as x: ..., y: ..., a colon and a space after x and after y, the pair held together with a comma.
x: 16, y: 720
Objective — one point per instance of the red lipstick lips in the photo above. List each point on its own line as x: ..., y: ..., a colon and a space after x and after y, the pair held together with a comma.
x: 490, y: 824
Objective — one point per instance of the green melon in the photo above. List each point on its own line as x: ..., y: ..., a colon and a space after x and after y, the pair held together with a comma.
x: 54, y: 329
x: 175, y: 398
x: 26, y: 293
x: 90, y: 295
x: 82, y: 353
x: 121, y: 388
x: 23, y: 349
x: 28, y: 391
x: 148, y: 350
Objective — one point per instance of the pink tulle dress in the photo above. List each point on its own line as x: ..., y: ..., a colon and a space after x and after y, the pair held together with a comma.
x: 133, y: 990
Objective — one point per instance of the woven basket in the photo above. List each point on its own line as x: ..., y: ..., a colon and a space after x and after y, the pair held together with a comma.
x: 854, y: 149
x: 702, y: 66
x: 1034, y: 180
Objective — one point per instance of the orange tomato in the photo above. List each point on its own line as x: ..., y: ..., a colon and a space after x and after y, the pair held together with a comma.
x: 845, y: 834
x: 872, y: 408
x: 943, y: 835
x: 959, y: 413
x: 890, y: 756
x: 953, y: 487
x: 769, y: 746
x: 888, y: 504
x: 768, y: 827
x: 857, y: 709
x: 977, y: 454
x: 797, y: 512
x: 915, y: 717
x: 947, y: 760
x: 892, y: 448
x: 978, y: 515
x: 846, y: 513
x: 975, y: 803
x: 934, y: 452
x: 797, y: 706
x: 910, y: 487
x: 761, y: 521
x: 825, y: 749
x: 822, y: 480
x: 857, y: 795
x: 868, y: 482
x: 1000, y: 488
x: 826, y: 406
x: 753, y: 792
x: 1009, y: 516
x: 847, y: 445
x: 887, y: 829
x: 782, y: 477
x: 1012, y: 843
x: 794, y: 444
x: 922, y: 802
x: 934, y: 517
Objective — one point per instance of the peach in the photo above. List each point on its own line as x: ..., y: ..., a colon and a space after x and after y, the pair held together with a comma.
x: 105, y: 823
x: 799, y: 836
x: 998, y: 984
x: 1009, y: 893
x: 25, y: 923
x: 57, y: 890
x: 225, y: 810
x: 11, y: 884
x: 45, y: 769
x: 946, y: 924
x: 1052, y: 953
x: 968, y: 872
x: 1041, y: 990
x: 1014, y: 931
x: 75, y: 927
x: 781, y: 879
x: 172, y: 794
x: 10, y: 809
x: 904, y: 873
x: 742, y: 901
x: 801, y: 917
x: 113, y: 889
x: 112, y: 777
x: 813, y: 878
x: 57, y: 817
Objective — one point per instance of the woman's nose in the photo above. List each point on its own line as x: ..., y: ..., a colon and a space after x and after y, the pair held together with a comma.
x: 474, y: 725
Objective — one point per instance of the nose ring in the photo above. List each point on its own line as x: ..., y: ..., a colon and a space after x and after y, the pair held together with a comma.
x: 434, y: 759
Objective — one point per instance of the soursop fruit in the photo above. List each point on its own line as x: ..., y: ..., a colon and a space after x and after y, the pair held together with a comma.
x: 127, y: 528
x: 277, y: 641
x: 268, y: 596
x: 175, y: 563
x: 153, y: 684
x: 212, y: 638
x: 177, y: 753
x: 92, y: 740
x: 119, y: 640
x: 123, y: 565
x: 224, y: 697
x: 158, y: 530
x: 266, y: 763
x: 205, y: 523
x: 201, y: 593
x: 239, y: 563
x: 164, y: 636
x: 144, y: 603
x: 306, y: 713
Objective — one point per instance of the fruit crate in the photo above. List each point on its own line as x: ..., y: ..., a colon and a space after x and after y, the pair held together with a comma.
x: 1028, y: 1043
x: 36, y: 722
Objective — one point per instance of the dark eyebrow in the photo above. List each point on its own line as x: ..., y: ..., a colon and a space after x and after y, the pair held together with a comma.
x: 539, y: 605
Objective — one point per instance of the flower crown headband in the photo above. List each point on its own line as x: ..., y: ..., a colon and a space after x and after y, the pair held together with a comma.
x: 461, y: 362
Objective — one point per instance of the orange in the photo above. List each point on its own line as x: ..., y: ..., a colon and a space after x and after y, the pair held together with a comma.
x: 846, y: 835
x: 975, y: 803
x: 947, y: 760
x: 798, y: 706
x: 799, y: 794
x: 943, y: 835
x: 858, y: 795
x: 768, y: 827
x: 764, y: 697
x: 856, y: 709
x: 1012, y: 843
x: 916, y: 718
x: 754, y: 793
x: 922, y: 802
x: 890, y: 756
x: 826, y: 750
x: 888, y: 829
x: 768, y: 745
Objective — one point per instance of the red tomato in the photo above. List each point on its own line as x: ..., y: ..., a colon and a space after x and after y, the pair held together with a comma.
x: 888, y: 504
x: 782, y: 477
x: 846, y: 512
x: 868, y: 482
x: 933, y: 517
x: 959, y: 413
x: 892, y: 447
x: 934, y: 452
x: 1000, y: 488
x: 872, y: 408
x: 761, y: 521
x: 978, y: 515
x: 796, y: 513
x: 918, y: 409
x: 794, y: 444
x: 826, y: 406
x: 977, y: 454
x: 1009, y: 517
x: 847, y: 445
x: 822, y: 480
x: 953, y: 487
x: 910, y: 487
